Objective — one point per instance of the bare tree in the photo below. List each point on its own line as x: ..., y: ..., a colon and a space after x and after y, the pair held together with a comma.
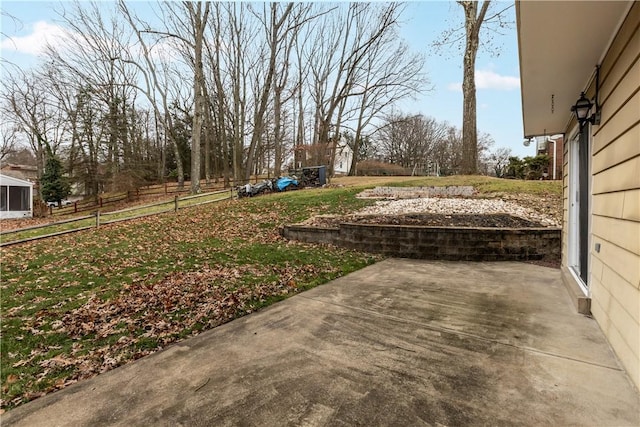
x: 412, y: 141
x: 235, y: 58
x: 26, y: 104
x: 157, y: 78
x: 260, y: 77
x: 300, y: 15
x: 105, y: 84
x: 473, y: 21
x: 276, y: 25
x: 499, y: 160
x: 219, y: 105
x: 349, y: 42
x: 8, y: 143
x: 478, y: 16
x: 390, y: 73
x: 186, y: 23
x: 198, y: 18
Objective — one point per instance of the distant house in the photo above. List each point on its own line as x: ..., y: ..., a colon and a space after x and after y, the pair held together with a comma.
x: 16, y: 198
x: 320, y: 154
x: 580, y: 76
x: 24, y: 172
x: 343, y: 158
x: 553, y: 147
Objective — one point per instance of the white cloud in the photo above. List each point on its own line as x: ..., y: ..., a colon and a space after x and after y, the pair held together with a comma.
x: 35, y: 42
x: 455, y: 87
x: 488, y: 79
x: 163, y: 51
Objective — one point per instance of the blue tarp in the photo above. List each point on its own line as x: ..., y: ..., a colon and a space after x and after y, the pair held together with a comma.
x: 284, y: 182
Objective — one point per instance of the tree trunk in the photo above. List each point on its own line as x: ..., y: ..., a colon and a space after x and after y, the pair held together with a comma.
x: 277, y: 137
x: 262, y: 100
x: 208, y: 122
x: 353, y: 169
x: 473, y: 22
x: 200, y: 21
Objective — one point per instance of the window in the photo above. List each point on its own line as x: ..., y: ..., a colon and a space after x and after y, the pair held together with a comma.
x: 3, y: 198
x: 14, y: 198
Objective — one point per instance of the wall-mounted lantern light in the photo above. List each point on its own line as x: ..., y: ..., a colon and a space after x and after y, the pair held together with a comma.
x: 581, y: 110
x: 583, y: 105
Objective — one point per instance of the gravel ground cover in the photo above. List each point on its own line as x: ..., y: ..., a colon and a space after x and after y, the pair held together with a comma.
x: 433, y: 220
x: 526, y: 210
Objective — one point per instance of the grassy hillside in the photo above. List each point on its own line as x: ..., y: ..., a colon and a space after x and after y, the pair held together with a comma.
x: 484, y: 184
x: 74, y: 306
x: 77, y: 305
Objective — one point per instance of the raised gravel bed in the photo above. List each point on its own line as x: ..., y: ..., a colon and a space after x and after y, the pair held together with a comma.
x: 487, y: 230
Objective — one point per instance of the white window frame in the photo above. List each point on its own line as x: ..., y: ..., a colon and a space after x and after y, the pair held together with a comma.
x: 573, y: 244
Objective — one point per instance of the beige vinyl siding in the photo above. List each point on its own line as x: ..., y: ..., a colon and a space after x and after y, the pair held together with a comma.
x: 612, y: 229
x: 624, y: 176
x: 615, y: 127
x: 625, y: 147
x: 631, y: 205
x: 623, y: 350
x: 614, y: 278
x: 622, y: 53
x: 625, y: 263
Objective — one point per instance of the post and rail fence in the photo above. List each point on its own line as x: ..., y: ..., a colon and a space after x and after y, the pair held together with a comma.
x: 166, y: 188
x: 98, y: 218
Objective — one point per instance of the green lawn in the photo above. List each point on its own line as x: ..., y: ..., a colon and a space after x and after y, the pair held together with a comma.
x: 120, y: 215
x: 484, y: 184
x: 79, y: 304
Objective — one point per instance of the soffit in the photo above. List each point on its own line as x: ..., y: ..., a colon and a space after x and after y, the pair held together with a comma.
x: 560, y: 43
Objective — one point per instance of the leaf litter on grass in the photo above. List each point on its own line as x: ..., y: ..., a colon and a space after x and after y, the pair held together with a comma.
x: 78, y: 305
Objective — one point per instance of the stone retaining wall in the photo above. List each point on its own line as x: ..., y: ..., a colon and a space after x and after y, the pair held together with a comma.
x: 456, y: 244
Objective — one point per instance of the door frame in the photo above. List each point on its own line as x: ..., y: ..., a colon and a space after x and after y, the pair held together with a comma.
x: 579, y: 238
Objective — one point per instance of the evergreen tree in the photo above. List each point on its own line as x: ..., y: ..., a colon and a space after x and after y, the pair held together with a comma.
x: 55, y: 187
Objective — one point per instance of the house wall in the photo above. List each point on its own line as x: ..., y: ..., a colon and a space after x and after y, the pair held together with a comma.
x: 24, y: 172
x: 614, y: 276
x: 343, y: 159
x: 555, y: 152
x: 556, y: 149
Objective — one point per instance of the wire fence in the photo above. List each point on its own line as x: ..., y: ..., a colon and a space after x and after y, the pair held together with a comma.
x: 98, y: 218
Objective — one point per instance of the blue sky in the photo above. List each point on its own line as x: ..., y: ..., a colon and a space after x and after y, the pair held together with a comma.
x: 497, y: 77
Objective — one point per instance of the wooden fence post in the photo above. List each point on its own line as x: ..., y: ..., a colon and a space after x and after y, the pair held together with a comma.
x: 100, y: 200
x: 176, y: 203
x: 97, y: 218
x: 165, y: 188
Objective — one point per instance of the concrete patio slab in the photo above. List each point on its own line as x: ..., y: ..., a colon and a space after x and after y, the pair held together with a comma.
x: 403, y: 342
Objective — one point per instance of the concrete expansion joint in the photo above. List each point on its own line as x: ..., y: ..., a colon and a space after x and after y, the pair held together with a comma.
x: 463, y: 334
